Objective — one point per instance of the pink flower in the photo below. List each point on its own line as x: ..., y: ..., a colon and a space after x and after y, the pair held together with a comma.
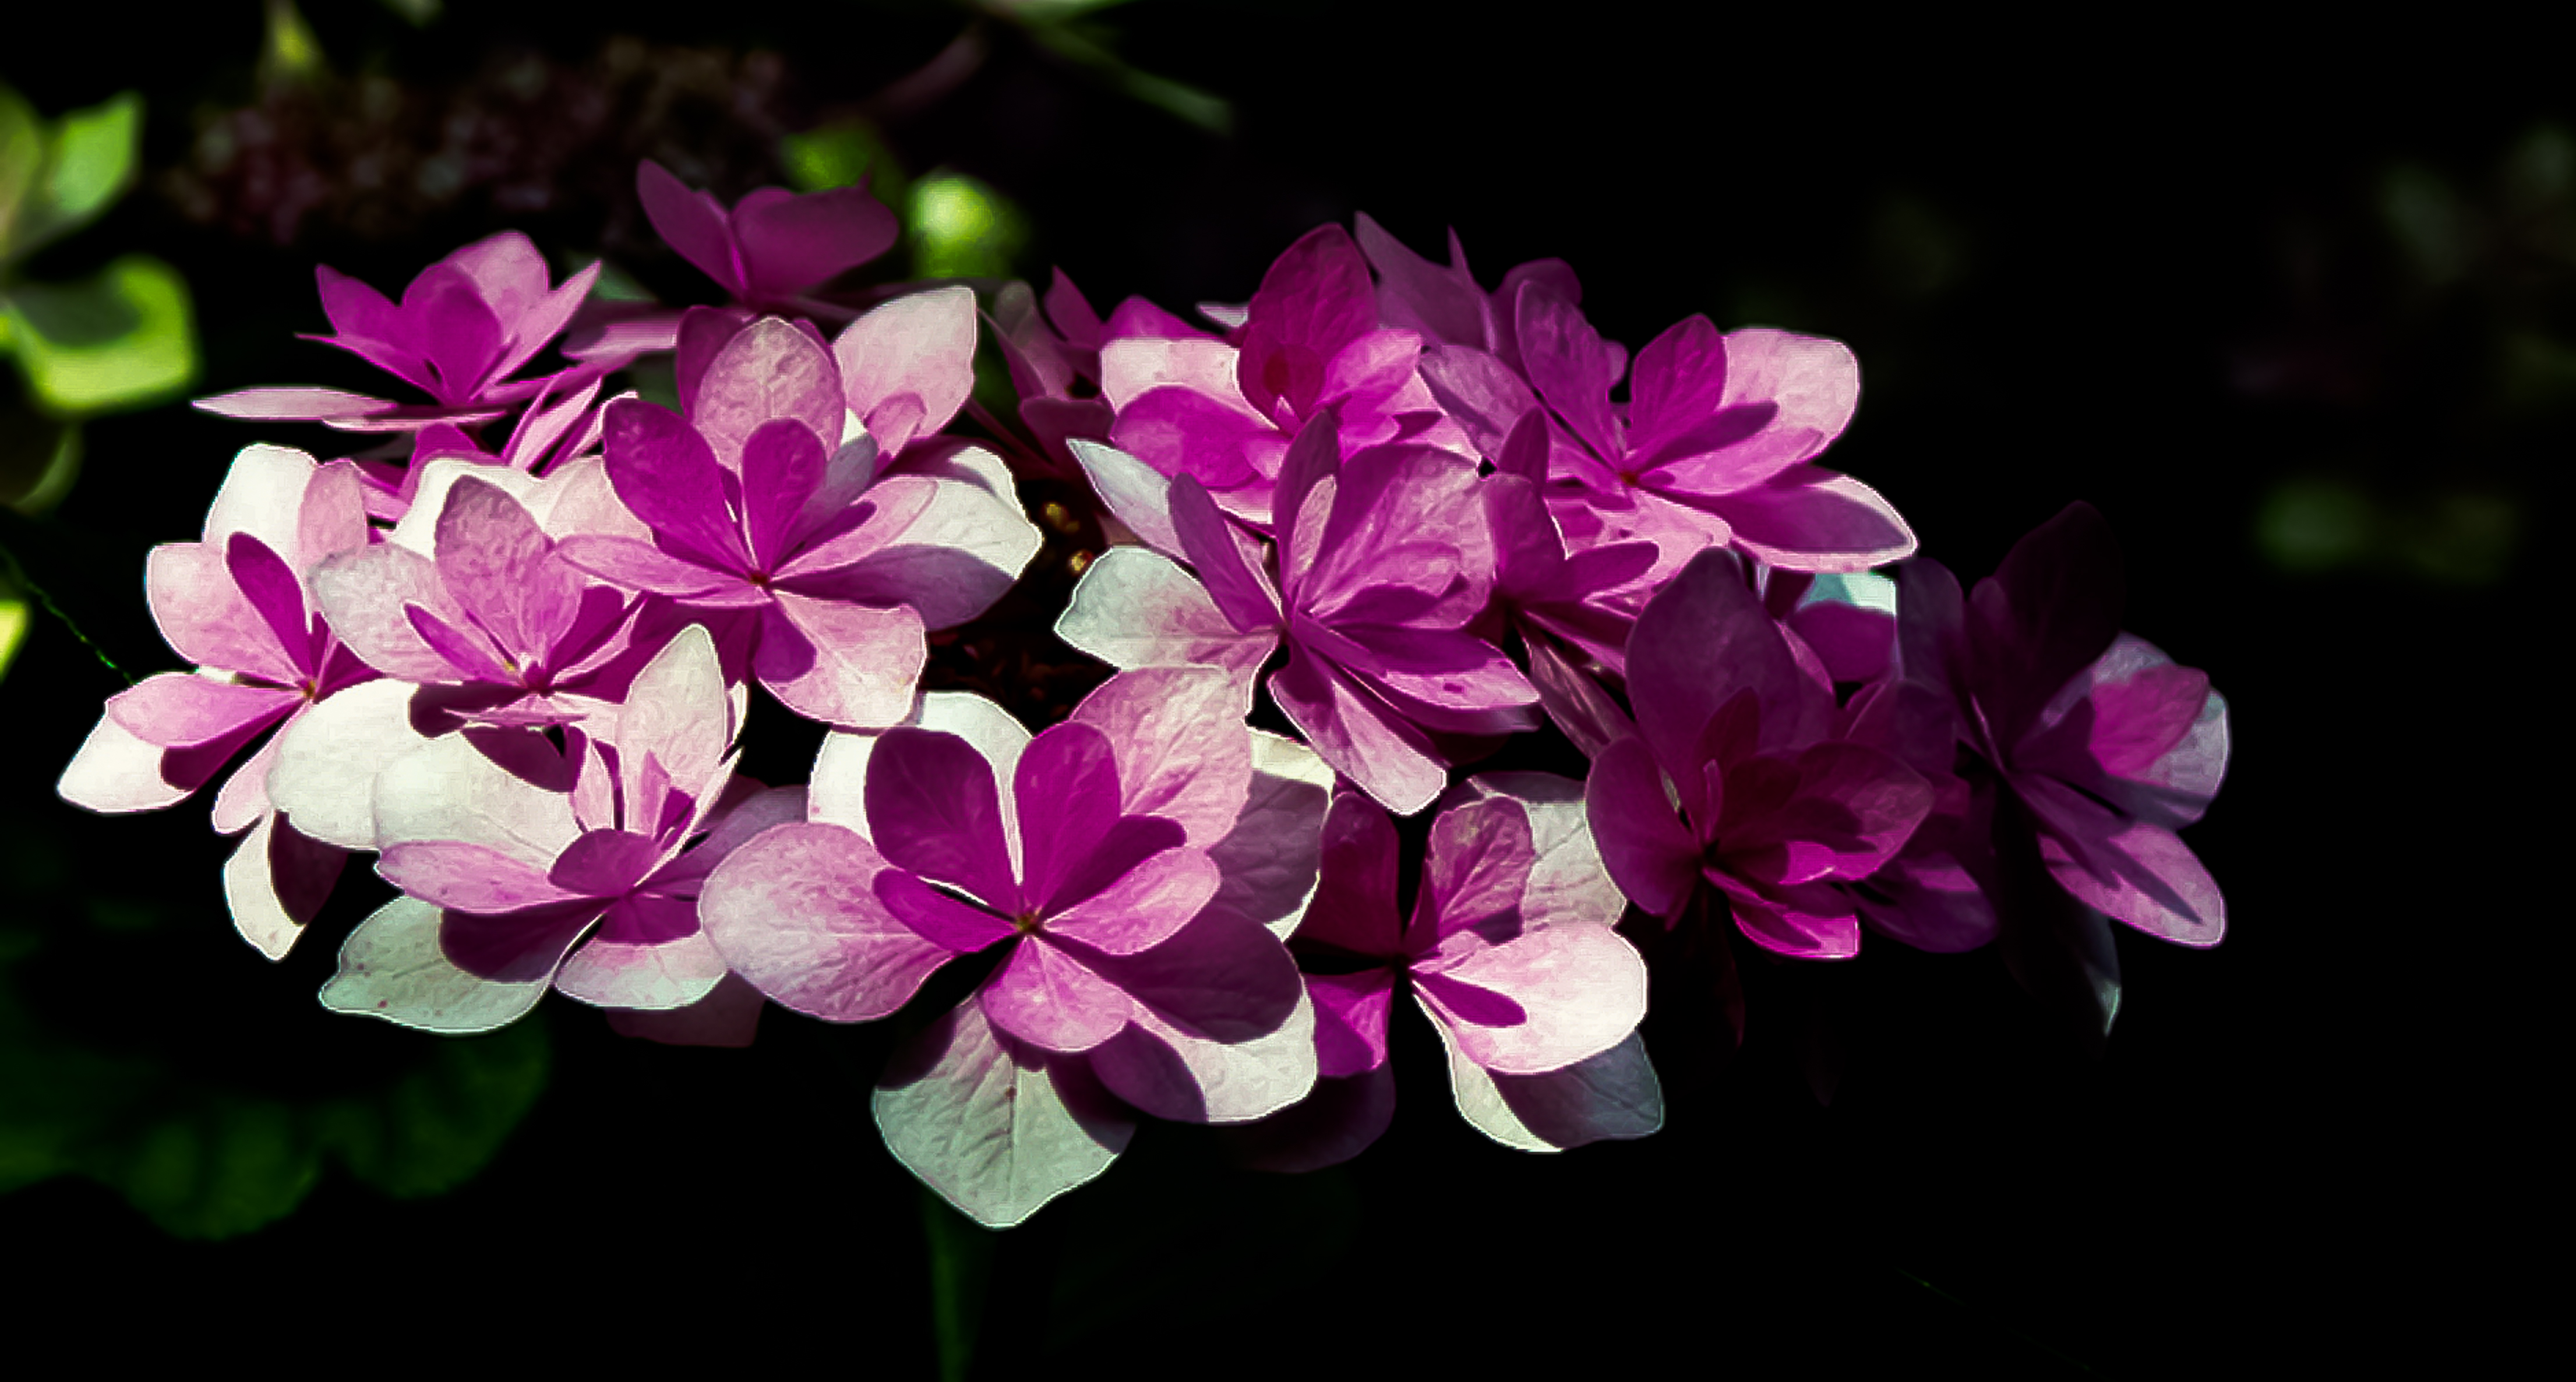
x: 1734, y: 782
x: 773, y: 245
x: 233, y: 603
x: 464, y: 326
x: 2096, y: 748
x: 1509, y: 953
x: 1382, y: 562
x: 1099, y: 864
x: 509, y: 853
x: 757, y: 507
x: 1224, y: 413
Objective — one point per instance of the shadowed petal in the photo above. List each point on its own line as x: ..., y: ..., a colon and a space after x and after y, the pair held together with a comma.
x: 842, y: 664
x: 1611, y: 1095
x: 1170, y: 1074
x: 1649, y: 852
x: 1350, y: 1020
x: 276, y: 882
x: 2139, y: 873
x: 1581, y: 990
x: 392, y: 967
x: 919, y: 347
x: 794, y: 242
x: 933, y: 809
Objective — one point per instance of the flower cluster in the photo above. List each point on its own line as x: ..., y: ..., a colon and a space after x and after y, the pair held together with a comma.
x: 1407, y: 518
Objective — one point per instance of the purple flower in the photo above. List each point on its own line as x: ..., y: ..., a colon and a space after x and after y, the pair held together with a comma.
x: 1587, y: 601
x: 1382, y: 562
x: 773, y: 245
x: 233, y: 603
x: 1099, y: 863
x: 464, y: 326
x: 2101, y: 745
x: 492, y: 614
x: 1711, y: 447
x: 756, y: 506
x: 1509, y: 952
x: 1224, y: 413
x: 1734, y: 781
x: 509, y: 853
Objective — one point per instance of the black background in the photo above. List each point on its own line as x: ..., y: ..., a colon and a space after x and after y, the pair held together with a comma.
x: 2131, y: 261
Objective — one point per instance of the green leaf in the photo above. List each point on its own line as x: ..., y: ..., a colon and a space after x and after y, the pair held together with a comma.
x: 84, y: 164
x: 120, y: 340
x: 14, y: 614
x: 961, y: 1271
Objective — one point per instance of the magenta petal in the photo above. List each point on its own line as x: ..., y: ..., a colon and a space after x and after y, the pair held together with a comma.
x: 767, y: 372
x: 456, y: 331
x: 1484, y: 395
x: 2048, y: 612
x: 202, y: 614
x: 1350, y: 1020
x: 1699, y: 642
x: 1854, y: 808
x: 1473, y: 876
x: 176, y: 710
x: 936, y: 917
x: 1180, y: 431
x: 793, y: 243
x: 691, y: 222
x: 1809, y: 921
x: 640, y: 566
x: 1360, y: 735
x: 1414, y: 293
x: 2138, y: 873
x: 933, y: 809
x: 496, y: 562
x: 1317, y: 294
x: 782, y: 465
x: 1066, y: 788
x: 1354, y: 904
x: 1543, y: 1001
x: 1931, y: 902
x: 1223, y: 977
x: 1678, y: 381
x: 1812, y: 520
x: 1144, y: 906
x: 1046, y: 997
x: 467, y: 877
x: 600, y: 863
x: 794, y: 913
x: 666, y: 473
x: 1570, y: 366
x: 1650, y: 854
x: 269, y: 584
x: 1206, y: 542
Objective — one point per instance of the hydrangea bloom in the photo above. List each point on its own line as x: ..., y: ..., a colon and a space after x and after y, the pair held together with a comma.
x: 1734, y: 781
x: 233, y: 604
x: 772, y: 245
x: 1224, y: 413
x: 2103, y: 745
x: 515, y: 665
x: 464, y: 326
x: 756, y: 508
x: 509, y: 853
x: 1381, y: 564
x: 1088, y: 858
x: 1509, y: 952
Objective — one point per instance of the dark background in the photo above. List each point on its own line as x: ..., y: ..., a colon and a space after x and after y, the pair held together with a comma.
x: 2296, y: 309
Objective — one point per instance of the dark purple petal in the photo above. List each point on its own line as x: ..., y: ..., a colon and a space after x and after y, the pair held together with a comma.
x: 790, y: 243
x: 782, y: 465
x: 667, y: 475
x: 933, y: 808
x: 1350, y: 1020
x: 694, y: 223
x: 2049, y: 611
x: 1354, y: 907
x: 1208, y: 542
x: 1650, y: 854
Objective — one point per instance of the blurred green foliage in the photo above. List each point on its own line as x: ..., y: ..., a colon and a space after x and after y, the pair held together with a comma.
x: 121, y: 338
x: 959, y: 227
x: 202, y: 1159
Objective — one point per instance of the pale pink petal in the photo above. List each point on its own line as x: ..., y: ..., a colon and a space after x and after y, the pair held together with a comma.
x: 920, y: 346
x: 1136, y: 608
x: 997, y: 1131
x: 659, y: 977
x: 962, y: 553
x: 1611, y: 1095
x: 1169, y: 1073
x: 1356, y: 733
x: 1269, y: 862
x: 392, y: 967
x: 768, y: 371
x: 115, y: 773
x: 449, y: 789
x: 677, y: 713
x: 243, y: 800
x: 201, y: 613
x: 2138, y: 873
x: 276, y: 882
x: 795, y: 913
x: 1133, y: 365
x: 1567, y: 880
x: 1582, y: 988
x: 1045, y: 996
x: 1181, y: 748
x: 1136, y: 494
x: 362, y: 594
x: 327, y: 761
x: 842, y: 664
x: 838, y: 792
x: 176, y: 710
x: 292, y: 404
x: 1144, y: 908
